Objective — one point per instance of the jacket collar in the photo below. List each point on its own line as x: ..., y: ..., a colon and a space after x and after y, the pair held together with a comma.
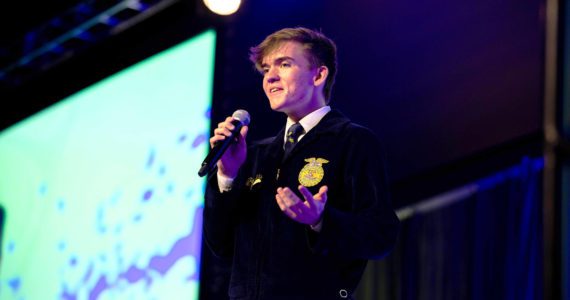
x: 331, y: 123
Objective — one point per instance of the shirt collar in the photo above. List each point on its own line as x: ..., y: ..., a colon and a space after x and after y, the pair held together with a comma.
x: 309, y: 121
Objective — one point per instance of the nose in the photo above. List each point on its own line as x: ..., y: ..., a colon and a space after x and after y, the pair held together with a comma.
x: 271, y: 75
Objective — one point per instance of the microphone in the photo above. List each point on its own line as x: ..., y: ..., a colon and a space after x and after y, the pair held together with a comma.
x: 241, y: 118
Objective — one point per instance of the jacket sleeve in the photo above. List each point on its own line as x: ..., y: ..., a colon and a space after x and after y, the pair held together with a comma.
x: 220, y: 214
x: 369, y: 229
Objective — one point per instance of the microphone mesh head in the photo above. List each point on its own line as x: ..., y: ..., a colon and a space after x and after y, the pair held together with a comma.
x: 242, y: 116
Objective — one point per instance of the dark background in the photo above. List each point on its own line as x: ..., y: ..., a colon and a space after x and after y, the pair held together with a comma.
x: 437, y: 81
x: 440, y: 82
x: 454, y: 89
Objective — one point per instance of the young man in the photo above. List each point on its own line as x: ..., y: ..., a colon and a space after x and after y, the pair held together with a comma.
x: 302, y: 212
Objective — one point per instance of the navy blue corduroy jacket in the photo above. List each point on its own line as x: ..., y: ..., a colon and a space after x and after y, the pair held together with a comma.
x: 275, y: 257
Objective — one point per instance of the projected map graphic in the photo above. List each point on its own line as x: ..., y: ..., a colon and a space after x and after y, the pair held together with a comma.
x: 100, y: 191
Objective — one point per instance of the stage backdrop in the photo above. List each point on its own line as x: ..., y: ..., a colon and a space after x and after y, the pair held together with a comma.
x: 99, y: 192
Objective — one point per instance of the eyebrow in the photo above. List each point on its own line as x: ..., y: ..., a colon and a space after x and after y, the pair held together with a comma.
x: 278, y: 60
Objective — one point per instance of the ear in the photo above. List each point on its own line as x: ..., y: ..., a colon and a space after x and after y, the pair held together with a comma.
x: 321, y: 75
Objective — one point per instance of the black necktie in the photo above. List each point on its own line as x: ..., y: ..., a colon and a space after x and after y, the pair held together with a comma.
x: 292, y: 138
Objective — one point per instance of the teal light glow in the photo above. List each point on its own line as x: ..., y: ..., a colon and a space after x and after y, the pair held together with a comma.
x: 100, y: 191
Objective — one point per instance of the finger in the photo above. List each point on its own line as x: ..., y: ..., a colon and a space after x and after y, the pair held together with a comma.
x: 222, y: 131
x: 291, y: 214
x: 283, y: 195
x: 289, y: 197
x: 307, y: 195
x: 227, y: 123
x: 280, y: 203
x: 222, y: 124
x: 216, y: 138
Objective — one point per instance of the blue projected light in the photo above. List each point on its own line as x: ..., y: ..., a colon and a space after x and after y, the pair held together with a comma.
x: 100, y: 194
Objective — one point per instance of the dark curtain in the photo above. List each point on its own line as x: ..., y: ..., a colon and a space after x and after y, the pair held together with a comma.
x: 486, y: 245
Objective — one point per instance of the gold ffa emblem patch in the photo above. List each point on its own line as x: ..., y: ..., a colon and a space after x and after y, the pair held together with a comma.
x: 313, y: 172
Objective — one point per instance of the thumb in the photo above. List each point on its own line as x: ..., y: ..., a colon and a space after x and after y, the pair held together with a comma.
x: 322, y: 194
x: 243, y: 133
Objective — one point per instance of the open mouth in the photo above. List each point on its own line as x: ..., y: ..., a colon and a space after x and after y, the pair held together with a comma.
x: 273, y: 90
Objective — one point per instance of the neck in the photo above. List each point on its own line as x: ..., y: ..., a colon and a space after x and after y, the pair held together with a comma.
x: 298, y: 114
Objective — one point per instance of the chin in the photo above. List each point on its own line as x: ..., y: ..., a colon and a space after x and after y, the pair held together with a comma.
x: 277, y: 109
x: 276, y: 106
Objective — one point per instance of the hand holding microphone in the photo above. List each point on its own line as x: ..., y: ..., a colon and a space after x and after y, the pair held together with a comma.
x: 229, y: 135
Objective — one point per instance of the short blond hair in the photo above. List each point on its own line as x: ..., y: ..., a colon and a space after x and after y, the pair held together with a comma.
x: 321, y: 51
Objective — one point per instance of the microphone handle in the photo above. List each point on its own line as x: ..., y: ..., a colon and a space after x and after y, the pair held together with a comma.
x: 219, y: 148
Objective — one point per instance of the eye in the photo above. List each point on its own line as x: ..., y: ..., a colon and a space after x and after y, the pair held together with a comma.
x: 264, y: 70
x: 285, y: 65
